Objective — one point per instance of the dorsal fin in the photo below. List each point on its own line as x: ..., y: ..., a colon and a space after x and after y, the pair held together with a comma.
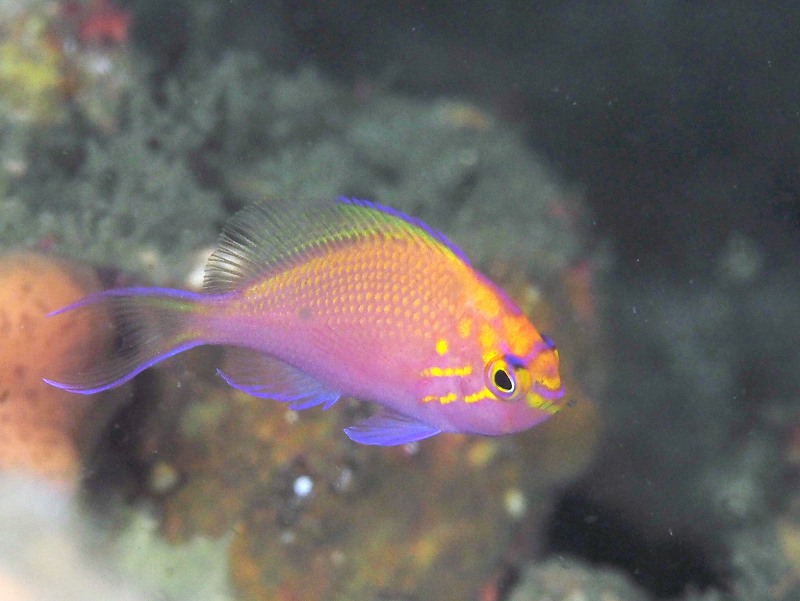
x: 267, y: 237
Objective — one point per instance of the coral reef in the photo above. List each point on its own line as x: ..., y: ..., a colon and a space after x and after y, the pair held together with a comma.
x: 218, y: 136
x: 52, y: 550
x: 55, y: 53
x: 568, y: 580
x: 41, y: 554
x: 196, y: 569
x: 43, y: 430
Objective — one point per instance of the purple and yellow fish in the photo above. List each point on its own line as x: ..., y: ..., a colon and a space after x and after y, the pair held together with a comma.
x: 345, y: 298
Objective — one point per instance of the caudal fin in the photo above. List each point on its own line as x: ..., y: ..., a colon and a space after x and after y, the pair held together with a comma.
x: 148, y: 325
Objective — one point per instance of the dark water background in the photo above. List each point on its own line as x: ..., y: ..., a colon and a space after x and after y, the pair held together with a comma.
x: 680, y: 118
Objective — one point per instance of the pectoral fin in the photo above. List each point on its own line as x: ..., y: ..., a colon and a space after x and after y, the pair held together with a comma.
x: 389, y: 428
x: 267, y: 377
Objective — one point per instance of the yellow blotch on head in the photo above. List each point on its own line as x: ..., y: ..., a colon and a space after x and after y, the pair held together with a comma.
x: 489, y: 340
x: 486, y: 301
x: 465, y: 327
x: 442, y: 347
x: 519, y: 334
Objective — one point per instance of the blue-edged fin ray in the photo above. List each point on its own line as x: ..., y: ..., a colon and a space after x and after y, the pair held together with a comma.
x: 389, y: 428
x: 267, y: 377
x: 149, y: 324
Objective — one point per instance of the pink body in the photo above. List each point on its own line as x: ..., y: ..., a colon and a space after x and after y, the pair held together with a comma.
x: 366, y: 322
x: 353, y: 299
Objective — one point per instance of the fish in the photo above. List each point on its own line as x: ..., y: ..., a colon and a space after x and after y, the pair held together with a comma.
x: 315, y: 301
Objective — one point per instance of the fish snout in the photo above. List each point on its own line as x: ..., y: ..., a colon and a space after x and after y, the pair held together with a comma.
x: 544, y: 367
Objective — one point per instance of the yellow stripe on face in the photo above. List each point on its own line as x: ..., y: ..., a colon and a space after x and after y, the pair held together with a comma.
x: 443, y: 372
x: 484, y: 393
x: 447, y: 398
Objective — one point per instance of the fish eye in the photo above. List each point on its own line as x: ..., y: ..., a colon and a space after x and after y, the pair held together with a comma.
x: 503, y: 381
x: 501, y: 378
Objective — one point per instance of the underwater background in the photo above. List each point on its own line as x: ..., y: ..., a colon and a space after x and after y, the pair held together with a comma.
x: 628, y: 172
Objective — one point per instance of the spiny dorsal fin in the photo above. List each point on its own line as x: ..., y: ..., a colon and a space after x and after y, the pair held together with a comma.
x: 267, y: 237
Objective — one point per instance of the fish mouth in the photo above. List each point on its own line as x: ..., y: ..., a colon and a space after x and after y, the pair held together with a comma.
x: 543, y: 364
x: 546, y: 392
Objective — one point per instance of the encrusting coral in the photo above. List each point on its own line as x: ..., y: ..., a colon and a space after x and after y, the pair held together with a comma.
x: 43, y: 430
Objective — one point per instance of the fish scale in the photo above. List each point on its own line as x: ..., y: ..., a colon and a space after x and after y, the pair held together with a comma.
x: 353, y: 287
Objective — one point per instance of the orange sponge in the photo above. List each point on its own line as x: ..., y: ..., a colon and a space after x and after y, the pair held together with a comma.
x: 44, y: 430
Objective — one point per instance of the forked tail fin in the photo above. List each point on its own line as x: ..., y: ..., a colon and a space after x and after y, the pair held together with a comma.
x: 148, y: 325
